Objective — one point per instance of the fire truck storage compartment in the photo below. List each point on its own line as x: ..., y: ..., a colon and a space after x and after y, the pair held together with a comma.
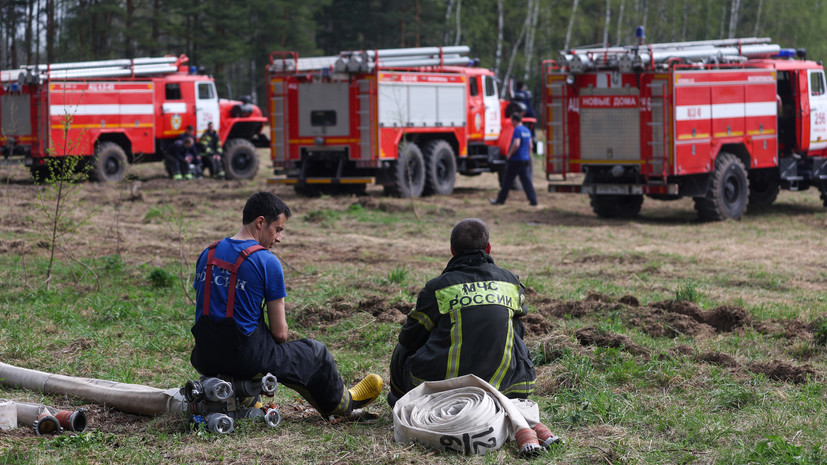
x: 609, y: 124
x: 430, y: 101
x: 324, y: 109
x: 16, y: 117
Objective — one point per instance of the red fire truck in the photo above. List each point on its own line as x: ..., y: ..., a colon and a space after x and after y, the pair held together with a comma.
x: 117, y: 112
x: 726, y: 122
x: 408, y: 119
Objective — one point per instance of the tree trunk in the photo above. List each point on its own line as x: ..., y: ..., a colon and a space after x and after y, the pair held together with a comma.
x: 50, y: 31
x: 758, y: 18
x: 500, y: 26
x: 664, y: 21
x: 534, y: 12
x: 37, y: 33
x: 645, y: 13
x: 29, y: 31
x: 458, y: 35
x: 448, y: 11
x: 733, y: 18
x: 606, y: 23
x: 620, y: 22
x: 571, y: 25
x: 516, y: 46
x: 156, y: 26
x: 416, y: 24
x: 129, y: 50
x: 402, y: 16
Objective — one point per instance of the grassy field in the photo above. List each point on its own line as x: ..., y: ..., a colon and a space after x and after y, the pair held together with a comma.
x: 661, y: 340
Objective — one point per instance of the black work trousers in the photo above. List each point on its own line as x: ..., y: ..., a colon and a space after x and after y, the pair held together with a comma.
x: 514, y: 168
x: 305, y: 365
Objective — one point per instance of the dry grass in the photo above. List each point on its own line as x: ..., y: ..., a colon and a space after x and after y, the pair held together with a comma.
x: 686, y: 394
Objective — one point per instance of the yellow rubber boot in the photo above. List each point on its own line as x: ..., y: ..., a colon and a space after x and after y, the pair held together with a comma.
x: 366, y: 391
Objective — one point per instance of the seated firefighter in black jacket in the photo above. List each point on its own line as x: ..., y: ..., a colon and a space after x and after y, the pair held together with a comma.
x: 466, y: 321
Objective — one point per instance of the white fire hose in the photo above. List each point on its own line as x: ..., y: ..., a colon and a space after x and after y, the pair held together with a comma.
x: 470, y: 416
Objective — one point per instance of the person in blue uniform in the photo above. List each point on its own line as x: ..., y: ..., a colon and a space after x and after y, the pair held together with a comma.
x: 236, y: 281
x: 518, y: 164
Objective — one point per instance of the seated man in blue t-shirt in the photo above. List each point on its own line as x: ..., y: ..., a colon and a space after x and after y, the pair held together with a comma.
x: 233, y: 277
x: 518, y: 164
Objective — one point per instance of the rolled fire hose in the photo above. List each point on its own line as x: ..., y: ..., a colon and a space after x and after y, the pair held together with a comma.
x: 470, y: 416
x: 132, y: 398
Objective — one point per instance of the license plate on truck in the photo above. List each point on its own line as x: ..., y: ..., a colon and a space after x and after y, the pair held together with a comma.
x: 610, y: 189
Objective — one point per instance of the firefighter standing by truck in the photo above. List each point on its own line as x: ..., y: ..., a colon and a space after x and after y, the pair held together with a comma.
x: 518, y: 164
x: 234, y: 276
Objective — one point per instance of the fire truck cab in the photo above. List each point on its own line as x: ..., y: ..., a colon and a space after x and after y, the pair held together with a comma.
x: 408, y: 119
x: 726, y: 122
x: 117, y: 112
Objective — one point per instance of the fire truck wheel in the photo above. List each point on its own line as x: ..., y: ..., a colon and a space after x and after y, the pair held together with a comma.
x: 440, y: 168
x: 616, y: 206
x: 763, y: 188
x: 728, y: 193
x: 409, y: 171
x: 240, y: 159
x: 110, y: 163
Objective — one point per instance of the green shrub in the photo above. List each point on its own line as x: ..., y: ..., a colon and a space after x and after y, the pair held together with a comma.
x: 160, y: 278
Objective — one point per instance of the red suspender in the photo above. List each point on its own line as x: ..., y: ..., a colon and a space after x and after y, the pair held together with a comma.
x: 232, y: 268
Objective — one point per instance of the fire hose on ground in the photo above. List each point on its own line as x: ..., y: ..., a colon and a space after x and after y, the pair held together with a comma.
x: 44, y: 420
x: 470, y: 416
x: 210, y: 402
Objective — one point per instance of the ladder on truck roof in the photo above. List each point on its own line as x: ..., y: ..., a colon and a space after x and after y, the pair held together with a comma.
x: 127, y: 67
x: 653, y: 56
x: 366, y: 61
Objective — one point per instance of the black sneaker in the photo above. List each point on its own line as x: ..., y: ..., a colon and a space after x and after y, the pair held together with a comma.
x: 495, y: 202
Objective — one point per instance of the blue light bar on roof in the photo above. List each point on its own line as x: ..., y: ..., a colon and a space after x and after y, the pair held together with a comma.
x: 786, y: 53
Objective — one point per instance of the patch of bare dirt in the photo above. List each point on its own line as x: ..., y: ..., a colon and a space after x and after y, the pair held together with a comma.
x: 536, y: 324
x: 677, y: 352
x: 788, y: 329
x: 617, y: 259
x: 578, y: 308
x: 680, y: 307
x: 717, y: 358
x: 14, y: 245
x: 727, y: 318
x: 326, y: 315
x: 78, y: 345
x: 551, y: 346
x: 338, y: 308
x: 590, y: 336
x: 383, y: 311
x: 630, y: 301
x: 678, y: 318
x: 657, y: 323
x: 114, y: 421
x: 783, y: 371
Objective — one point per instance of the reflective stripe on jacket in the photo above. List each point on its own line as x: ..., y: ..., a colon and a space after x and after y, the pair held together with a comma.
x: 467, y: 321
